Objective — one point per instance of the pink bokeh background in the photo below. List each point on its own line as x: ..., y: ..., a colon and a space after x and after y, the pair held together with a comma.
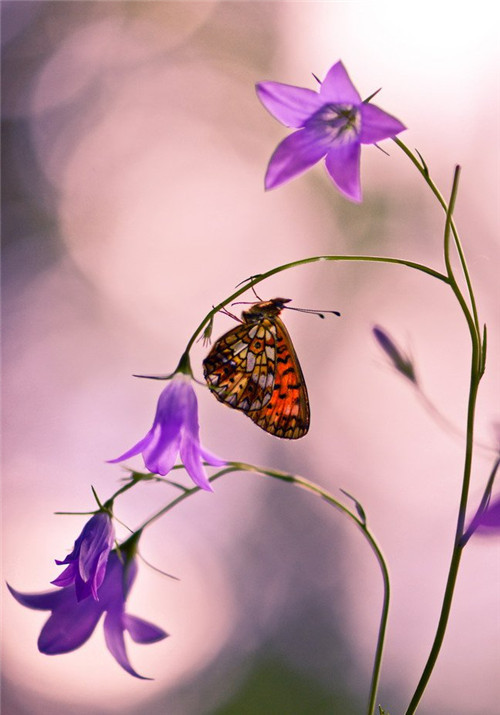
x: 140, y: 148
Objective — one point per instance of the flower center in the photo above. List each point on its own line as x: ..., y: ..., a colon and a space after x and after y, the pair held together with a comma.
x: 341, y: 123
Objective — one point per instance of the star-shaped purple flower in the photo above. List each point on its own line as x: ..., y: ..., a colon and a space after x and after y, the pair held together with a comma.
x: 71, y: 623
x: 175, y: 431
x: 331, y: 123
x: 87, y: 562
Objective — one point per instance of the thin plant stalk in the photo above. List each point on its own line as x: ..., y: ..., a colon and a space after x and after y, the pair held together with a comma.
x: 424, y: 171
x: 361, y: 524
x: 357, y: 519
x: 254, y: 280
x: 475, y: 377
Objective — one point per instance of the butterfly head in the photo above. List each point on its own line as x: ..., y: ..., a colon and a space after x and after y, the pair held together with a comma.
x: 264, y: 309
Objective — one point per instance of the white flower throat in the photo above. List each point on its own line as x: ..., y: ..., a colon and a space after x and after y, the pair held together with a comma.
x: 339, y: 122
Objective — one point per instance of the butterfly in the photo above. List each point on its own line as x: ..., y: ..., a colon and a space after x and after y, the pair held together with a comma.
x: 254, y: 368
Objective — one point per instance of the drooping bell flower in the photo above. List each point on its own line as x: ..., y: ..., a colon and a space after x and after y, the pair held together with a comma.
x: 72, y: 622
x: 175, y: 431
x: 400, y: 361
x: 87, y: 562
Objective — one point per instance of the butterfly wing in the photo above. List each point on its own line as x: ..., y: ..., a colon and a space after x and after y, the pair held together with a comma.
x: 240, y: 367
x: 286, y: 414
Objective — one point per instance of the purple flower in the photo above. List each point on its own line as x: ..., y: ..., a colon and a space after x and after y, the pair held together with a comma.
x: 71, y: 623
x: 87, y: 562
x: 332, y: 123
x: 487, y: 521
x: 401, y: 362
x: 175, y: 431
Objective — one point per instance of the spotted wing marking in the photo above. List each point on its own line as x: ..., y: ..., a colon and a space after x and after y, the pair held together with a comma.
x: 287, y: 414
x: 240, y: 367
x: 254, y: 368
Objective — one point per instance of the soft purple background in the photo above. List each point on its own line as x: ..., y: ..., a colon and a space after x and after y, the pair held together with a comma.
x: 134, y: 159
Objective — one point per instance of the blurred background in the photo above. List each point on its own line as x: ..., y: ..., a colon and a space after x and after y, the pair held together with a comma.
x: 134, y: 151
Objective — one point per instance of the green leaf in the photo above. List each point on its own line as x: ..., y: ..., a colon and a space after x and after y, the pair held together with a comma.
x: 359, y: 508
x: 483, y: 350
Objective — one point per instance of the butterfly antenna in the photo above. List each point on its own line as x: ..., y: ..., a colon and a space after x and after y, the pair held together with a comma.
x: 244, y: 302
x: 319, y: 313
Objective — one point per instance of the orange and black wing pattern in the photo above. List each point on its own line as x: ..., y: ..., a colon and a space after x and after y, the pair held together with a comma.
x: 254, y: 368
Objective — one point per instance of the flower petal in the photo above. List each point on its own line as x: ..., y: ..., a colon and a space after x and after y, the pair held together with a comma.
x: 98, y: 539
x: 118, y: 581
x: 491, y: 517
x: 113, y: 634
x: 166, y: 424
x: 337, y: 86
x: 67, y: 577
x: 191, y: 458
x: 161, y: 452
x: 294, y: 155
x: 190, y: 413
x: 289, y: 104
x: 488, y: 522
x: 142, y: 631
x: 342, y: 163
x: 100, y: 572
x: 211, y: 458
x: 69, y: 626
x: 45, y: 601
x: 377, y: 124
x: 136, y: 449
x: 160, y: 455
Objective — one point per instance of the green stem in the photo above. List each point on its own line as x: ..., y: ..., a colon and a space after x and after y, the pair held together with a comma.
x: 475, y: 377
x: 422, y: 168
x: 133, y: 481
x: 182, y: 497
x: 361, y: 524
x: 472, y: 320
x: 457, y: 547
x: 302, y: 262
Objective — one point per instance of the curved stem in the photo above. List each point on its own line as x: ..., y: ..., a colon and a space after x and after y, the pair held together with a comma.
x: 472, y: 320
x: 182, y: 497
x: 457, y: 547
x: 475, y: 377
x: 254, y: 280
x: 358, y: 520
x: 422, y: 168
x: 384, y: 615
x: 361, y: 524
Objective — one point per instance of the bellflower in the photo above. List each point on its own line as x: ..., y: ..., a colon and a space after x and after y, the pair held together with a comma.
x: 87, y: 562
x: 175, y: 431
x: 401, y: 362
x: 71, y: 623
x: 331, y: 123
